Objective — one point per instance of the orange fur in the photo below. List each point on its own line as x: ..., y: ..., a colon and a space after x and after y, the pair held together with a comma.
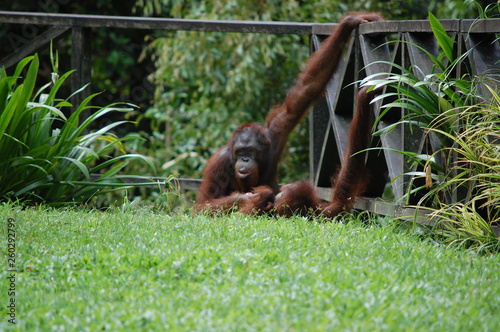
x: 221, y: 188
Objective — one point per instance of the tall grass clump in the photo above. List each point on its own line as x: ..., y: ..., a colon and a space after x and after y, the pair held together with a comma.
x: 474, y: 172
x: 457, y: 177
x: 47, y: 157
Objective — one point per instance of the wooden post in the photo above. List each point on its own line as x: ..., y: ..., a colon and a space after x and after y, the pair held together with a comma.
x: 81, y: 62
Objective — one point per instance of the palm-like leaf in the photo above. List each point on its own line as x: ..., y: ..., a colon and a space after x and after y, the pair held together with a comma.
x: 47, y: 157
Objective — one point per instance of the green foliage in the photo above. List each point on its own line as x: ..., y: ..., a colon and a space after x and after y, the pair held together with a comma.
x: 462, y: 187
x: 475, y: 173
x: 48, y: 157
x: 302, y: 11
x: 486, y: 8
x: 115, y: 71
x: 209, y: 83
x: 145, y: 271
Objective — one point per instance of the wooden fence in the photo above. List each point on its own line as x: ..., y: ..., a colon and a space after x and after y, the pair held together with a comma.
x: 369, y: 52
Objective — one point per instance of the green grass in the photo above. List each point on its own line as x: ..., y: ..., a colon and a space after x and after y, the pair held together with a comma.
x: 146, y: 271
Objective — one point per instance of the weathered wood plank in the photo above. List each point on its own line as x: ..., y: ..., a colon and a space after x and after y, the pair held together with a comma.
x: 390, y: 27
x: 33, y: 46
x: 80, y: 61
x: 154, y: 23
x: 321, y: 139
x: 387, y: 208
x: 491, y: 25
x: 181, y: 183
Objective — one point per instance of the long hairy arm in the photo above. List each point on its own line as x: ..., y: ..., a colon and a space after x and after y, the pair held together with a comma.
x: 311, y: 82
x: 353, y: 176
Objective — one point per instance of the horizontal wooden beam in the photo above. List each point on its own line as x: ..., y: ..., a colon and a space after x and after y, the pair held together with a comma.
x: 181, y: 183
x: 391, y: 209
x: 389, y: 27
x: 154, y: 23
x: 272, y: 27
x: 491, y: 25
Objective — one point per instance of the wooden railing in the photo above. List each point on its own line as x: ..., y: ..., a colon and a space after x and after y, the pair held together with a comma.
x: 371, y: 51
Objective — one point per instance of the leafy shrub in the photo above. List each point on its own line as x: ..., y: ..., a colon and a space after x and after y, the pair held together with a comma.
x: 48, y: 157
x: 475, y: 173
x: 460, y: 184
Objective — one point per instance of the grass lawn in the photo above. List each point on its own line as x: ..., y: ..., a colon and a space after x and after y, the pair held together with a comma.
x: 146, y: 271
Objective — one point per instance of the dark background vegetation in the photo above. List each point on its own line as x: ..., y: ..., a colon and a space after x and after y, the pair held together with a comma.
x: 194, y: 88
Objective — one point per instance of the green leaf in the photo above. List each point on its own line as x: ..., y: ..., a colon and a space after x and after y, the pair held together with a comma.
x: 20, y: 66
x: 445, y: 42
x: 4, y: 92
x: 77, y: 163
x: 43, y: 163
x: 127, y: 156
x: 57, y: 85
x: 52, y: 109
x: 33, y: 186
x: 29, y: 84
x: 8, y: 113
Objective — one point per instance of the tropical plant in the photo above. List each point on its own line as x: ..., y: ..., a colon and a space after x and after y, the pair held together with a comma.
x: 475, y: 173
x: 425, y: 99
x: 49, y: 157
x: 460, y: 175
